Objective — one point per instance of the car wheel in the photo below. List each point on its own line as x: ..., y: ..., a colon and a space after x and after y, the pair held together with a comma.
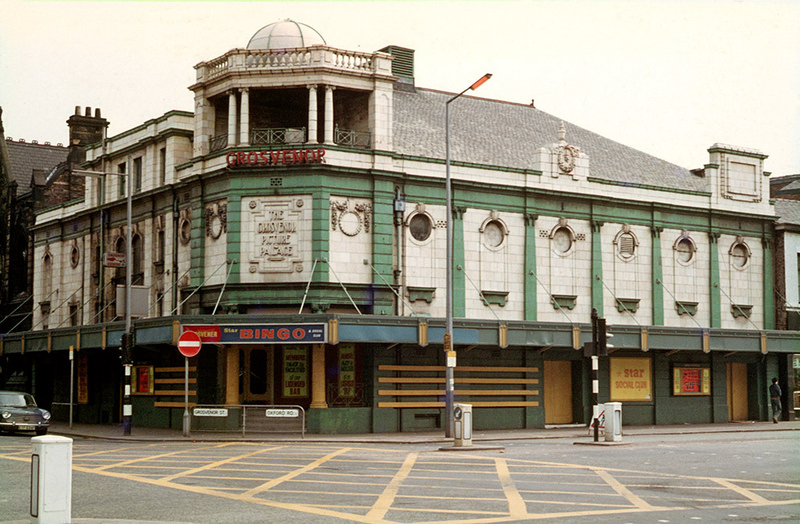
x: 41, y: 431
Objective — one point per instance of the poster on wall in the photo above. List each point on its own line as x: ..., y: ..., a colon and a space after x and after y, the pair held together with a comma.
x: 691, y: 380
x: 143, y: 380
x: 83, y: 378
x: 295, y: 372
x: 631, y: 379
x: 347, y: 370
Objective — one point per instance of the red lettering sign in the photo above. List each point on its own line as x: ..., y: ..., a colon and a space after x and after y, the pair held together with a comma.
x: 275, y: 157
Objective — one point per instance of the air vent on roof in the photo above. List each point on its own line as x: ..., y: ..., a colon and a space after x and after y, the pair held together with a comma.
x: 403, y: 63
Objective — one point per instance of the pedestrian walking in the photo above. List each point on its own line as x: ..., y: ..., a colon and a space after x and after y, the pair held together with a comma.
x: 775, y: 397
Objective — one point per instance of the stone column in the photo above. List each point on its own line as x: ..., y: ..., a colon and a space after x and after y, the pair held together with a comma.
x: 232, y: 375
x: 329, y: 114
x: 244, y: 119
x: 318, y: 377
x: 312, y: 114
x: 232, y: 119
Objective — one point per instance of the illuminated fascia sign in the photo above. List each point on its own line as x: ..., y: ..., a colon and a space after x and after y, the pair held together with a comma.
x: 260, y: 333
x: 285, y: 157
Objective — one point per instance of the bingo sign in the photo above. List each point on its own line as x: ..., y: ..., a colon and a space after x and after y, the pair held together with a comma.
x: 260, y: 333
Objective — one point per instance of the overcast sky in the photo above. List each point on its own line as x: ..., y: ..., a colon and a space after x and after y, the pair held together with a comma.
x: 667, y: 77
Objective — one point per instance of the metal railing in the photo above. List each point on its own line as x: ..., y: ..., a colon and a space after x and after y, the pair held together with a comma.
x: 218, y: 143
x: 248, y: 418
x: 352, y: 138
x: 278, y: 135
x: 352, y: 396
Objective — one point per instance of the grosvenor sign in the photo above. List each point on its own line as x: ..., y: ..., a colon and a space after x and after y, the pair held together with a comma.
x: 275, y: 157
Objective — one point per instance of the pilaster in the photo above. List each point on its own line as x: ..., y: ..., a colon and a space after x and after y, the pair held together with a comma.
x: 657, y: 277
x: 531, y: 311
x: 597, y: 267
x: 459, y: 280
x: 714, y: 292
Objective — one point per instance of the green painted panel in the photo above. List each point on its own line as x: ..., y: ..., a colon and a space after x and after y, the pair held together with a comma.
x: 597, y: 269
x: 714, y: 292
x: 331, y: 421
x: 198, y: 243
x: 531, y: 308
x: 657, y: 279
x: 234, y: 247
x: 459, y: 280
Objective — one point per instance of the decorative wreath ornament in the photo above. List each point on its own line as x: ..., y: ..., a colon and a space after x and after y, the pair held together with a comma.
x: 567, y: 158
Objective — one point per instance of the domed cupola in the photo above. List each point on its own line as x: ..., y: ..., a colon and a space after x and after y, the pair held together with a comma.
x: 285, y: 34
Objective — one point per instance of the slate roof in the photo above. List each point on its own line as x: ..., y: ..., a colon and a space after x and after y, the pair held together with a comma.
x: 788, y: 211
x: 25, y: 157
x: 505, y: 134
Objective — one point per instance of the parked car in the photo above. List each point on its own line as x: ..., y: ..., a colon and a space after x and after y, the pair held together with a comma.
x: 18, y: 412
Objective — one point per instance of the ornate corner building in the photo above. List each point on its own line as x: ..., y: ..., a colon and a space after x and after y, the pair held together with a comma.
x: 296, y: 220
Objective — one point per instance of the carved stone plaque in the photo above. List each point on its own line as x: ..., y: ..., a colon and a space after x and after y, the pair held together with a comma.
x: 275, y: 231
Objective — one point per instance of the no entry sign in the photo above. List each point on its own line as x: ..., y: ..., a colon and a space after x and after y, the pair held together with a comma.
x: 189, y: 344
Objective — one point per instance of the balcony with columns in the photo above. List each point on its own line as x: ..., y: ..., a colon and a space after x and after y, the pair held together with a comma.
x: 282, y: 97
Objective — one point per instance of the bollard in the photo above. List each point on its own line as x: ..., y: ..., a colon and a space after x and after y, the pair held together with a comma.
x: 462, y: 425
x: 51, y: 480
x: 613, y: 421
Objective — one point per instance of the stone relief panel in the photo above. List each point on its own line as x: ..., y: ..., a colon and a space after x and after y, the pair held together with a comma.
x: 350, y: 247
x: 276, y: 238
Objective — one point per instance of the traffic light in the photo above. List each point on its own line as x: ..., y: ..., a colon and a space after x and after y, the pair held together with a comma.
x: 603, y: 338
x: 127, y: 342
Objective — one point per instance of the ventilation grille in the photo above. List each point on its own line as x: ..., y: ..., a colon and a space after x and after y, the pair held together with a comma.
x: 403, y: 63
x: 276, y: 182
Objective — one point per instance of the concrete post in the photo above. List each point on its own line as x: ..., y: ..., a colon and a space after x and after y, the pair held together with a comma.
x: 51, y: 480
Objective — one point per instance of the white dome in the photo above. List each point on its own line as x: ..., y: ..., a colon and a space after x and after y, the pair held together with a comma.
x: 285, y: 34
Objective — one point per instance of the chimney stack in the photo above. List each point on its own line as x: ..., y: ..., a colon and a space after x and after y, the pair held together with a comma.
x: 84, y: 130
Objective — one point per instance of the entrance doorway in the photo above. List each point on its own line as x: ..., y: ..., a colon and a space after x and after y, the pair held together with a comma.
x: 737, y: 391
x: 558, y: 392
x: 255, y: 375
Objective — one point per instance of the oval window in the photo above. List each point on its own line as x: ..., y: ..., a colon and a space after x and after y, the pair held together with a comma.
x: 739, y: 256
x: 685, y: 250
x: 493, y: 234
x: 627, y: 246
x: 562, y: 240
x: 420, y: 227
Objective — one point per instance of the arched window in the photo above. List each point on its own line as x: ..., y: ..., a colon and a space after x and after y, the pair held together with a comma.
x: 47, y: 276
x: 137, y: 258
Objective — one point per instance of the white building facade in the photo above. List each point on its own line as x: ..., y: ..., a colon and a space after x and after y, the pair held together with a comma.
x: 297, y: 221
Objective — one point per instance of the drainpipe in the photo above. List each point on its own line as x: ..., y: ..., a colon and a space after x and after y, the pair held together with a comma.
x: 175, y: 240
x: 399, y: 210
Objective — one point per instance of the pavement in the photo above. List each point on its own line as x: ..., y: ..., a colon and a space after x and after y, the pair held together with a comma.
x: 579, y: 432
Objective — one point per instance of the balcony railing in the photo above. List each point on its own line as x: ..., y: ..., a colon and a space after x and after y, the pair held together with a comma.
x: 267, y: 136
x: 218, y: 143
x: 278, y: 135
x: 317, y: 56
x: 349, y: 137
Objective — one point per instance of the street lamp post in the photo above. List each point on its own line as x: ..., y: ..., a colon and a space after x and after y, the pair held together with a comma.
x: 450, y: 354
x: 127, y: 408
